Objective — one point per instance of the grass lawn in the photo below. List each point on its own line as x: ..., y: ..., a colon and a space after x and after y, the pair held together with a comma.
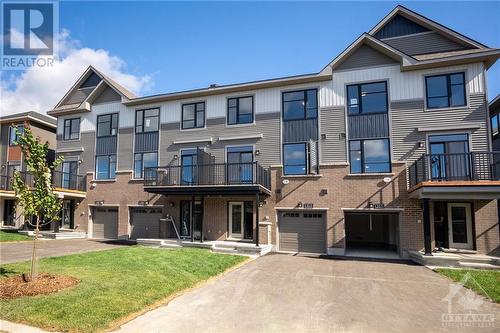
x: 114, y: 283
x: 12, y: 236
x: 489, y: 281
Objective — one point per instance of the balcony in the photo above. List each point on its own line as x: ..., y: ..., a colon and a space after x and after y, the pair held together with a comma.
x: 474, y: 175
x: 62, y: 181
x: 213, y: 178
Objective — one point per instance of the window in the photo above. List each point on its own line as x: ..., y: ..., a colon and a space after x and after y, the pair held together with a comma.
x: 445, y: 90
x: 302, y: 104
x: 107, y: 125
x: 147, y: 120
x: 13, y: 136
x: 295, y: 158
x: 494, y: 125
x: 71, y: 129
x: 189, y: 160
x: 193, y: 115
x: 367, y: 98
x: 142, y: 161
x: 105, y: 167
x: 240, y: 164
x: 369, y: 156
x: 240, y: 110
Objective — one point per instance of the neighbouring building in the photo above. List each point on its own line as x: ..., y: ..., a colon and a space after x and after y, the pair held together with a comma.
x: 495, y: 137
x: 387, y: 148
x: 12, y: 159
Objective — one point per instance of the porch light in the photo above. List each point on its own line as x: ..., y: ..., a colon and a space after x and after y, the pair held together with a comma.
x: 176, y: 157
x: 421, y: 144
x: 299, y: 205
x: 171, y: 203
x: 257, y: 152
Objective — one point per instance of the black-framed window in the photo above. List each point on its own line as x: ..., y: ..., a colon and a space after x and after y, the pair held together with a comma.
x: 495, y: 124
x: 193, y: 115
x: 105, y: 167
x: 445, y: 90
x: 13, y: 136
x: 300, y: 104
x: 147, y: 120
x: 107, y: 125
x: 367, y: 98
x: 369, y: 156
x: 71, y: 129
x: 295, y: 158
x: 240, y: 110
x: 144, y: 160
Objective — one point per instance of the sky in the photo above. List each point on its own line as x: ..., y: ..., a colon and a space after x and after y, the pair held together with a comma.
x: 158, y: 47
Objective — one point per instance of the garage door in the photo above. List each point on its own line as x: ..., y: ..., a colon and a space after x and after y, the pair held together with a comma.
x: 105, y: 223
x: 302, y: 231
x: 145, y: 222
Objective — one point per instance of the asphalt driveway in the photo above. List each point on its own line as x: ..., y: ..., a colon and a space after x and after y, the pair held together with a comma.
x: 21, y: 251
x: 281, y: 293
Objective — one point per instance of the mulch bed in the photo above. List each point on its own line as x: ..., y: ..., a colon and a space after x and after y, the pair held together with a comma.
x: 16, y: 286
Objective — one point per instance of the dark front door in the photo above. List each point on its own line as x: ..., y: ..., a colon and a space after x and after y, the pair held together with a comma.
x: 9, y: 214
x: 240, y: 165
x: 441, y: 224
x: 449, y: 157
x: 66, y: 221
x: 190, y: 211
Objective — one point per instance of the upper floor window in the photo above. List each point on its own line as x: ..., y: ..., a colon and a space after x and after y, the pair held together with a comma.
x: 107, y: 125
x: 295, y: 158
x: 445, y: 90
x: 301, y: 104
x: 369, y: 156
x: 495, y: 125
x: 144, y: 160
x: 71, y: 129
x: 13, y: 136
x: 240, y: 110
x: 367, y: 98
x: 147, y: 120
x: 193, y: 115
x: 105, y: 167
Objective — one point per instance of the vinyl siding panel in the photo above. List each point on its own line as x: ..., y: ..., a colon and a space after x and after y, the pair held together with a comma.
x: 368, y: 126
x: 77, y: 96
x: 300, y: 130
x: 87, y: 142
x: 399, y: 26
x: 408, y: 116
x: 146, y: 142
x: 125, y: 151
x: 365, y: 56
x: 108, y: 95
x: 332, y: 124
x: 106, y: 145
x: 431, y: 42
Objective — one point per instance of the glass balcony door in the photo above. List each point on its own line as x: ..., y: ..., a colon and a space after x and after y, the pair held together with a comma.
x: 240, y: 165
x: 449, y: 158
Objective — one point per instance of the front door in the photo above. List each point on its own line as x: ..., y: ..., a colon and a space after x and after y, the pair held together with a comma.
x: 236, y: 218
x: 188, y: 212
x: 460, y: 226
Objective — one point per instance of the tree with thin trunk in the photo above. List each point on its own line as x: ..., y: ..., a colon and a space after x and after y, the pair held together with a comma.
x: 34, y: 187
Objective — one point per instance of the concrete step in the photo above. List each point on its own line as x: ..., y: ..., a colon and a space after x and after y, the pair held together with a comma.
x: 197, y: 244
x: 63, y: 235
x: 149, y: 242
x: 478, y: 265
x: 225, y: 250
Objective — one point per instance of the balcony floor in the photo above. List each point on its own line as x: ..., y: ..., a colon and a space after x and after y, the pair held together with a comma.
x: 236, y: 189
x: 473, y: 189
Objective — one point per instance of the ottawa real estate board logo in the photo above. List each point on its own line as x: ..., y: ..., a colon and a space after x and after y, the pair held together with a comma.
x: 28, y: 35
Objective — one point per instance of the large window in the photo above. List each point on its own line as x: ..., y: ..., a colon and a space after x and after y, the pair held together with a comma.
x: 367, y: 98
x: 71, y: 129
x: 144, y: 160
x: 240, y: 110
x: 105, y: 166
x: 445, y: 90
x: 13, y: 136
x: 107, y: 125
x: 295, y: 158
x: 147, y: 120
x: 369, y: 156
x: 495, y: 125
x: 193, y: 115
x: 302, y: 104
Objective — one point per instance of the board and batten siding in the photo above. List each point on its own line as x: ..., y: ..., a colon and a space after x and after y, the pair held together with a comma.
x: 408, y: 116
x: 332, y: 125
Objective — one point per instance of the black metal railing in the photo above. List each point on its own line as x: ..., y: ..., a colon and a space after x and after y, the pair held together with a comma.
x: 5, y: 183
x: 455, y: 167
x: 60, y: 179
x: 208, y: 174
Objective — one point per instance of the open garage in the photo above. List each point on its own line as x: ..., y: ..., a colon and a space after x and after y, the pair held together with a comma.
x: 372, y: 234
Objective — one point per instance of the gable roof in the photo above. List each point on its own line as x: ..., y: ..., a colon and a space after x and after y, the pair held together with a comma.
x: 32, y: 116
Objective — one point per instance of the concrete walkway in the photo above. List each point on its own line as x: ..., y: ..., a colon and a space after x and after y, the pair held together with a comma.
x: 21, y: 251
x: 282, y: 293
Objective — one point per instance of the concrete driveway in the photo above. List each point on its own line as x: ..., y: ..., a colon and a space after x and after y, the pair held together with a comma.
x: 281, y: 293
x: 21, y: 251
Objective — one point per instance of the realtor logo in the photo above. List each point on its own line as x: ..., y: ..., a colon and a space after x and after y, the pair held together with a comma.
x: 28, y: 30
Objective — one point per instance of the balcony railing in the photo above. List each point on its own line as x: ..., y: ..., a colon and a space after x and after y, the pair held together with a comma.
x: 455, y: 167
x: 63, y: 180
x: 208, y: 174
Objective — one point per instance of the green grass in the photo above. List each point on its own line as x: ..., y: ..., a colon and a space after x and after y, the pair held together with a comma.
x: 114, y: 284
x: 12, y: 236
x: 488, y: 281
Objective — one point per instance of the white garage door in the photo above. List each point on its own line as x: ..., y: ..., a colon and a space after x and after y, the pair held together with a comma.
x: 145, y: 222
x: 105, y: 223
x: 303, y: 231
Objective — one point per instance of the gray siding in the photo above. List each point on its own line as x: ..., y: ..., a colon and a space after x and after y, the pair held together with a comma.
x: 332, y: 124
x: 77, y: 96
x: 300, y: 130
x: 408, y: 116
x: 106, y: 145
x: 87, y: 142
x: 368, y: 126
x: 365, y: 56
x: 4, y: 143
x: 423, y: 43
x: 145, y: 142
x: 399, y: 26
x: 108, y: 95
x: 125, y: 148
x: 268, y: 124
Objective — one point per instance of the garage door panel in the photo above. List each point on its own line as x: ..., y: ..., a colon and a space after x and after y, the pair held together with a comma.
x: 145, y: 222
x: 302, y: 232
x: 105, y: 223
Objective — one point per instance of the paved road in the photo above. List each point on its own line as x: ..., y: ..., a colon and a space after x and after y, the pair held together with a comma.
x: 20, y: 251
x: 281, y: 293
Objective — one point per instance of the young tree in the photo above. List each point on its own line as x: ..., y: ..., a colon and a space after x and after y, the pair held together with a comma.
x: 34, y: 191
